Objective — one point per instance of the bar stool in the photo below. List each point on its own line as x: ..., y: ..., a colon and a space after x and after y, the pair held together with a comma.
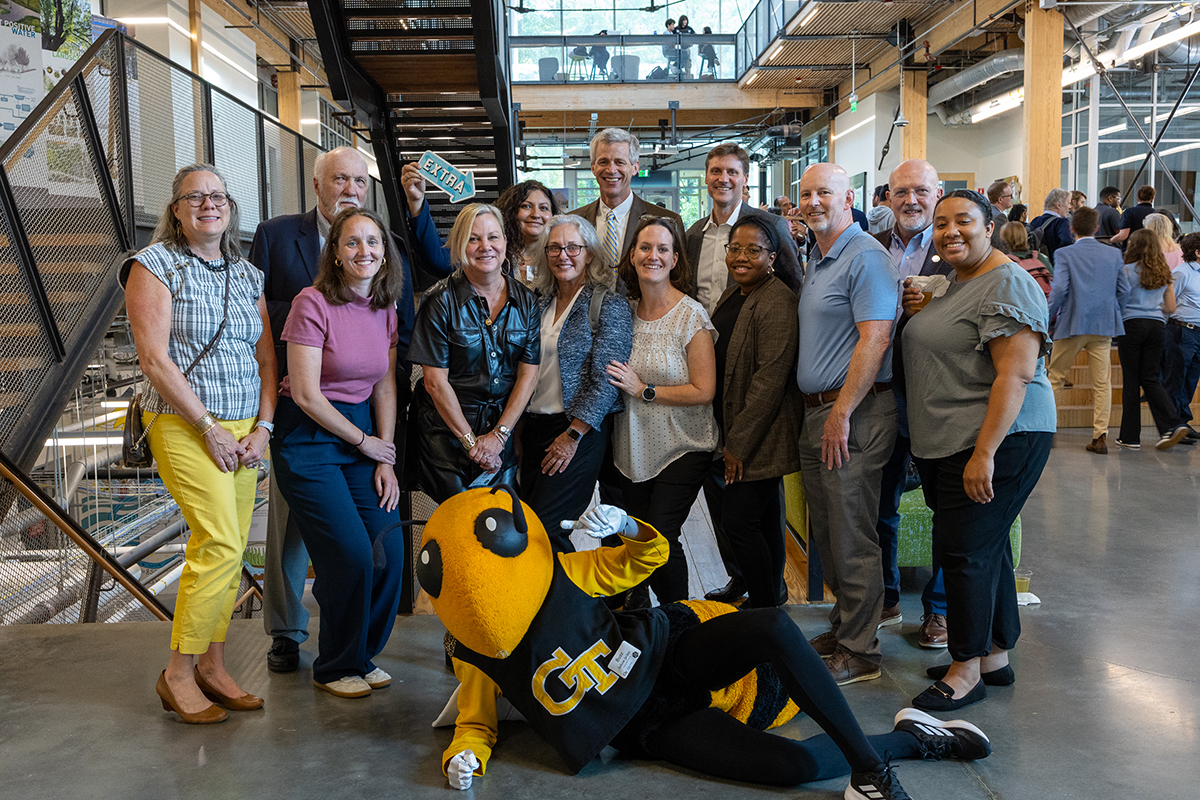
x: 576, y: 70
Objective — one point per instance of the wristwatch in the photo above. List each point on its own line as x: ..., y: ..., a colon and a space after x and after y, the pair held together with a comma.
x: 269, y: 426
x: 574, y: 435
x: 504, y: 430
x: 467, y: 440
x: 648, y: 394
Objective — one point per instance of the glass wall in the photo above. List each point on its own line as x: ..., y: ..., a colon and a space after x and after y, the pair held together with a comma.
x: 1101, y: 146
x: 584, y: 17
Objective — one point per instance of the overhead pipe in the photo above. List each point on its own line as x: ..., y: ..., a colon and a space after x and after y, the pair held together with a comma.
x: 998, y: 65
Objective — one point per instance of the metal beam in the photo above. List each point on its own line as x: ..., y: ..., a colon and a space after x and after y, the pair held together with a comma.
x: 1161, y: 131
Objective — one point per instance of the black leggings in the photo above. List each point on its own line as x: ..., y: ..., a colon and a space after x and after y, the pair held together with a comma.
x: 719, y: 652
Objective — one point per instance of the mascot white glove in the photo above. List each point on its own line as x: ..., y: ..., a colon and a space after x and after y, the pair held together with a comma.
x: 601, y: 521
x: 461, y: 769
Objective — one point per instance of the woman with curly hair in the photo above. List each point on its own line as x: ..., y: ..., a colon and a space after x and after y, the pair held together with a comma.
x: 1141, y: 347
x: 526, y: 208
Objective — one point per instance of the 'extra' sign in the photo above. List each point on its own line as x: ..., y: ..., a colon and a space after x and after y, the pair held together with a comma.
x: 459, y: 185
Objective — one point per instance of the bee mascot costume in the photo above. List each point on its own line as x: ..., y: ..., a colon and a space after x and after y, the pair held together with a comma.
x: 693, y: 683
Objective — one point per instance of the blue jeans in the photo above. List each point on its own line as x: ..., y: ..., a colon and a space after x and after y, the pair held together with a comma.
x: 1182, y: 366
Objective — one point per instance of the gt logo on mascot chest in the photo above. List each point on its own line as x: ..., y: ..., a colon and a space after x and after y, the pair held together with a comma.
x: 581, y: 674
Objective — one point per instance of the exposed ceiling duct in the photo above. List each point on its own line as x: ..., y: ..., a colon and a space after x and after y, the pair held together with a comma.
x: 1002, y: 63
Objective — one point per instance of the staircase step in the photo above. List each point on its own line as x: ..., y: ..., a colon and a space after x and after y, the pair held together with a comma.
x: 21, y: 364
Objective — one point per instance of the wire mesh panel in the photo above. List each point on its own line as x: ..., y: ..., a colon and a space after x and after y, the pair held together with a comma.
x: 235, y: 151
x: 283, y: 182
x: 309, y: 153
x: 104, y: 93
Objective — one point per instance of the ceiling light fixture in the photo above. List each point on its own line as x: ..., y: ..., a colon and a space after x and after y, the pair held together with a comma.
x: 810, y: 13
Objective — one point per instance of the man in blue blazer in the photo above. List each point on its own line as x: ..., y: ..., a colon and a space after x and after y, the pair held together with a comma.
x: 287, y: 249
x: 912, y: 194
x: 1053, y: 222
x: 1090, y: 288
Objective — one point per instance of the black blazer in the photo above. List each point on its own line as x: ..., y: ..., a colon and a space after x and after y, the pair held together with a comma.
x: 637, y: 210
x: 787, y: 260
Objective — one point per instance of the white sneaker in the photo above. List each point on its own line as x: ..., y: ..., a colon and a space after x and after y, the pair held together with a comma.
x: 377, y: 679
x: 350, y: 686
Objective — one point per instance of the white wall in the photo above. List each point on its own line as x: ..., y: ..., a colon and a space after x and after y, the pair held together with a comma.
x: 990, y: 149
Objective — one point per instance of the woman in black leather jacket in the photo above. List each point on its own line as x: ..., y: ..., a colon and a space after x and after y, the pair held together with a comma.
x: 477, y: 336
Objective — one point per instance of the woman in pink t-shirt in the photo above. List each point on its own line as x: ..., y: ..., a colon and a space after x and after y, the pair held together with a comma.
x: 333, y: 450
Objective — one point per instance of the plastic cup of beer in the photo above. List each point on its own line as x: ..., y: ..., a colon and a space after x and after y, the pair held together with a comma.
x: 929, y: 286
x: 1022, y: 576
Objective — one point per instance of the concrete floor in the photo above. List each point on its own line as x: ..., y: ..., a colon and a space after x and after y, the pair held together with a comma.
x: 1107, y: 703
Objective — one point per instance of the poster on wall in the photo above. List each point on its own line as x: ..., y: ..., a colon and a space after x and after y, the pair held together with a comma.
x: 20, y: 62
x: 66, y: 34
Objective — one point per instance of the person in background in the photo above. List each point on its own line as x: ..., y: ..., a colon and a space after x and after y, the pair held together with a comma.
x: 1000, y: 195
x: 1088, y: 294
x: 746, y: 194
x: 846, y: 312
x: 982, y: 418
x: 526, y: 207
x: 1017, y: 240
x: 196, y: 307
x: 685, y: 28
x: 1054, y: 223
x: 1019, y: 213
x: 1141, y: 346
x: 1182, y: 361
x: 1164, y: 230
x: 756, y: 405
x: 709, y: 53
x: 1078, y: 200
x: 599, y: 54
x: 335, y: 454
x: 1133, y: 219
x: 672, y: 52
x: 784, y: 204
x: 1109, y: 209
x: 880, y: 216
x: 478, y: 338
x: 797, y: 229
x: 664, y: 440
x: 913, y: 193
x: 566, y: 428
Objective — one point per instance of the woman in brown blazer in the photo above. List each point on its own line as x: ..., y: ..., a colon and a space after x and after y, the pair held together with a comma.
x: 756, y: 405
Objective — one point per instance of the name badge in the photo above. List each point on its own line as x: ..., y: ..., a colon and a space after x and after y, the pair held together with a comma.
x: 623, y: 660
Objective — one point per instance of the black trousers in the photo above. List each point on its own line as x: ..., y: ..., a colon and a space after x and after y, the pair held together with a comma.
x: 565, y: 495
x: 972, y: 538
x: 720, y: 651
x: 751, y: 521
x: 664, y: 501
x: 1141, y: 351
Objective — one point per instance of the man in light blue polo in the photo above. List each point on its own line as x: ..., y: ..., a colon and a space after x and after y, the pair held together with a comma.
x: 847, y: 309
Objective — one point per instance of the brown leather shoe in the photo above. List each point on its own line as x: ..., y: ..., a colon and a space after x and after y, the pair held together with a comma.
x: 204, y: 717
x: 826, y: 644
x: 247, y: 702
x: 891, y: 616
x: 846, y: 668
x: 933, y: 633
x: 1099, y: 445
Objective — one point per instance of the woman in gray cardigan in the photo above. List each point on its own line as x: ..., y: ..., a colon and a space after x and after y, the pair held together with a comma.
x: 584, y: 326
x: 756, y: 405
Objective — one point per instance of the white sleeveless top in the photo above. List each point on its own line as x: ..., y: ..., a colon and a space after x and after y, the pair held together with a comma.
x: 648, y: 436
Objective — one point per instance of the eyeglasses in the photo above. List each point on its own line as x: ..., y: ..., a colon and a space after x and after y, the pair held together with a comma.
x: 556, y: 250
x: 196, y: 199
x: 753, y: 251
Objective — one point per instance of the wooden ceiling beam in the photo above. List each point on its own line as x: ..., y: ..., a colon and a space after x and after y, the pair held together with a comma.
x: 581, y: 120
x: 654, y: 97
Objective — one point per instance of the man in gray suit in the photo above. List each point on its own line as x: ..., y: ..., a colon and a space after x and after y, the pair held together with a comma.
x: 616, y: 213
x: 725, y: 170
x: 912, y: 194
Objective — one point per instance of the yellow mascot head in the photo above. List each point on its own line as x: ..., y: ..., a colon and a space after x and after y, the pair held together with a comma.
x: 486, y: 563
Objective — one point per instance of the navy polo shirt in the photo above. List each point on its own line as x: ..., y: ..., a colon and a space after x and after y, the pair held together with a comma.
x: 856, y: 282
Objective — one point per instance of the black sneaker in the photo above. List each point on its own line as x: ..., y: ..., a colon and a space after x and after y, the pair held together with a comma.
x: 938, y: 740
x: 284, y: 655
x: 881, y: 785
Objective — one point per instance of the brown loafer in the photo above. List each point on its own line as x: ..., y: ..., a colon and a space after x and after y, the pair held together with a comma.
x: 933, y: 633
x: 846, y: 668
x: 1099, y: 445
x: 890, y: 616
x: 826, y: 644
x: 204, y: 717
x: 247, y: 702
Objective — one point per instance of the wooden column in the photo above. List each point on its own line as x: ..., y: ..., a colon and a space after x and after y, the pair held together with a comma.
x: 1042, y: 109
x: 916, y: 89
x: 289, y: 98
x: 195, y: 25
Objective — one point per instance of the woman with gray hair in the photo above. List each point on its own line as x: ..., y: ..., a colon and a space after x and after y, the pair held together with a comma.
x: 583, y: 327
x: 477, y: 337
x: 204, y: 342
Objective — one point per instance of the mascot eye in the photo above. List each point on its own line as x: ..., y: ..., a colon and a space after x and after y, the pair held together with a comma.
x: 496, y: 531
x: 429, y: 569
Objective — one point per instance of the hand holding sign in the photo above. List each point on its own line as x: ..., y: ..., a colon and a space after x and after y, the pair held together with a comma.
x: 439, y: 172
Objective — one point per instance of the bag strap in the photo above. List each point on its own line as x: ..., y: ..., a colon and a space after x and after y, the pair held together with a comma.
x: 598, y: 295
x: 207, y: 348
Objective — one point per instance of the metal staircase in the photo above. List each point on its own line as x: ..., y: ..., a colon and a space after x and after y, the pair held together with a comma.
x: 425, y: 75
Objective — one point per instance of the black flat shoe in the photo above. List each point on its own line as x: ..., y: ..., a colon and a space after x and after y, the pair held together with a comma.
x: 997, y: 677
x: 734, y: 590
x: 940, y: 697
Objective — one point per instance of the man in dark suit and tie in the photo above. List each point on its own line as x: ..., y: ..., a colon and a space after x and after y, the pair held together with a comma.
x: 616, y: 213
x: 725, y: 171
x: 287, y: 249
x: 912, y: 194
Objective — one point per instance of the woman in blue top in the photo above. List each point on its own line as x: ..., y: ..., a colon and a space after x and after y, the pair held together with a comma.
x: 982, y: 418
x: 1142, y: 345
x: 569, y: 418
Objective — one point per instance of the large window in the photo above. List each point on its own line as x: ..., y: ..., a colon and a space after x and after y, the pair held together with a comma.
x: 575, y: 17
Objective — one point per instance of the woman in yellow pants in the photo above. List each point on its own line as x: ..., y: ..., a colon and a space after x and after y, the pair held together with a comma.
x: 204, y: 343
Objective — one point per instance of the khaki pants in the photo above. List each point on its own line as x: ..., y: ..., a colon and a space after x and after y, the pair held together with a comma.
x: 1099, y: 363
